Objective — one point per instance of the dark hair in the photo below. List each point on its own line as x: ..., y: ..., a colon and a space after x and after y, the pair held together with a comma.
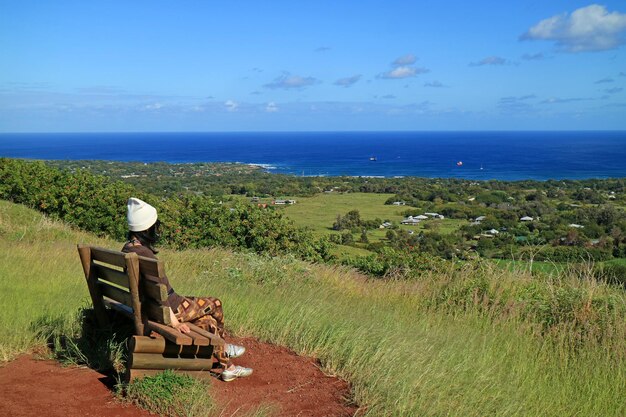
x: 148, y: 238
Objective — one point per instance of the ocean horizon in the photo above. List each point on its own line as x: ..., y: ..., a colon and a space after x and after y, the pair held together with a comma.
x: 491, y: 155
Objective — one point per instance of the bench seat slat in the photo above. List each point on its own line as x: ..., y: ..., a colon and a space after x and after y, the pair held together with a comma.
x: 170, y: 333
x: 198, y: 339
x: 214, y: 339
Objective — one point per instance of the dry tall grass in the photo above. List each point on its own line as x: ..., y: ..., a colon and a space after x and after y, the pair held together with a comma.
x: 472, y: 341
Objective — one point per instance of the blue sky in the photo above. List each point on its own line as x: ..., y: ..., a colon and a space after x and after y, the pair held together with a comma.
x: 312, y: 66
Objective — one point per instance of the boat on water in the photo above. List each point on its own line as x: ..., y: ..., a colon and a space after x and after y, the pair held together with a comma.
x: 373, y: 158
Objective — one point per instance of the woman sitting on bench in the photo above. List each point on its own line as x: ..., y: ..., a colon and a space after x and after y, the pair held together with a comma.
x: 204, y: 312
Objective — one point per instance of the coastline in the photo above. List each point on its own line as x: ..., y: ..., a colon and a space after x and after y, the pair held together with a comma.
x: 505, y: 156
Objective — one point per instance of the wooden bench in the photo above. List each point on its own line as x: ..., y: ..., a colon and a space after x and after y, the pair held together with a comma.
x: 117, y: 281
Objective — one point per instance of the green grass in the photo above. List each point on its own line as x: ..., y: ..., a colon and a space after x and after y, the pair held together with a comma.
x: 320, y: 211
x: 40, y: 278
x: 620, y: 261
x: 170, y: 394
x: 402, y: 358
x: 451, y: 343
x: 536, y: 266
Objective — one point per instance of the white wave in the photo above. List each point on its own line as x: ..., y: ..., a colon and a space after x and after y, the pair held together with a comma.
x: 264, y: 166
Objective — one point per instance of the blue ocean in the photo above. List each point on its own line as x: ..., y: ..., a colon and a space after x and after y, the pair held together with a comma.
x: 470, y: 155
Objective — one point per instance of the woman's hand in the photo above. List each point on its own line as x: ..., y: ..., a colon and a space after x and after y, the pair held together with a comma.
x: 182, y: 327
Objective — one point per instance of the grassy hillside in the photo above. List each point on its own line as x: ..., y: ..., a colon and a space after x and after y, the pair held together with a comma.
x: 452, y: 343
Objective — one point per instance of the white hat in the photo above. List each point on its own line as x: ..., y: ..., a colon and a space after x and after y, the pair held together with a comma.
x: 140, y: 215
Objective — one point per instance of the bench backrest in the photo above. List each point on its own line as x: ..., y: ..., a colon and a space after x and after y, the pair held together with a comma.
x: 126, y: 282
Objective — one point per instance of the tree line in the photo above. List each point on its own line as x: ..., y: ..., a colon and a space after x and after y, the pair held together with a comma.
x: 98, y: 204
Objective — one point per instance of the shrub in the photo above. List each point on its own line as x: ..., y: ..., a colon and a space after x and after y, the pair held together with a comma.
x: 396, y: 263
x: 612, y: 273
x: 97, y: 204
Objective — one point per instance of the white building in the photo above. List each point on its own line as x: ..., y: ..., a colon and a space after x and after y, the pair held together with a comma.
x: 411, y: 221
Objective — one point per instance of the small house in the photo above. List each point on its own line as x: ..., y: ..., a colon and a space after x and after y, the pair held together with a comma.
x: 526, y: 219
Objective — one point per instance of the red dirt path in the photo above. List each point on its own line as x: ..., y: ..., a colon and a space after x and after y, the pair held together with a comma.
x: 292, y: 384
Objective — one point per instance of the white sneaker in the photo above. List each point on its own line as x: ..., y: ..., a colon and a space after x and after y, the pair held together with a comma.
x: 238, y: 372
x: 234, y: 351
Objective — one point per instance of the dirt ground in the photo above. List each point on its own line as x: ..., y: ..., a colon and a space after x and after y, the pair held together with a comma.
x: 291, y: 384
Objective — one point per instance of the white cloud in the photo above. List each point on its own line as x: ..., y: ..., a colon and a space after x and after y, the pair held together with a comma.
x: 153, y: 106
x: 434, y: 84
x: 590, y: 28
x: 231, y: 105
x: 516, y: 104
x: 271, y: 107
x: 348, y: 81
x: 556, y: 100
x: 408, y: 59
x: 533, y: 57
x: 490, y: 60
x: 403, y: 72
x: 288, y: 81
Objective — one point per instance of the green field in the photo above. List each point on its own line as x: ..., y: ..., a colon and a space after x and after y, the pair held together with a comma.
x: 451, y: 343
x: 319, y: 212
